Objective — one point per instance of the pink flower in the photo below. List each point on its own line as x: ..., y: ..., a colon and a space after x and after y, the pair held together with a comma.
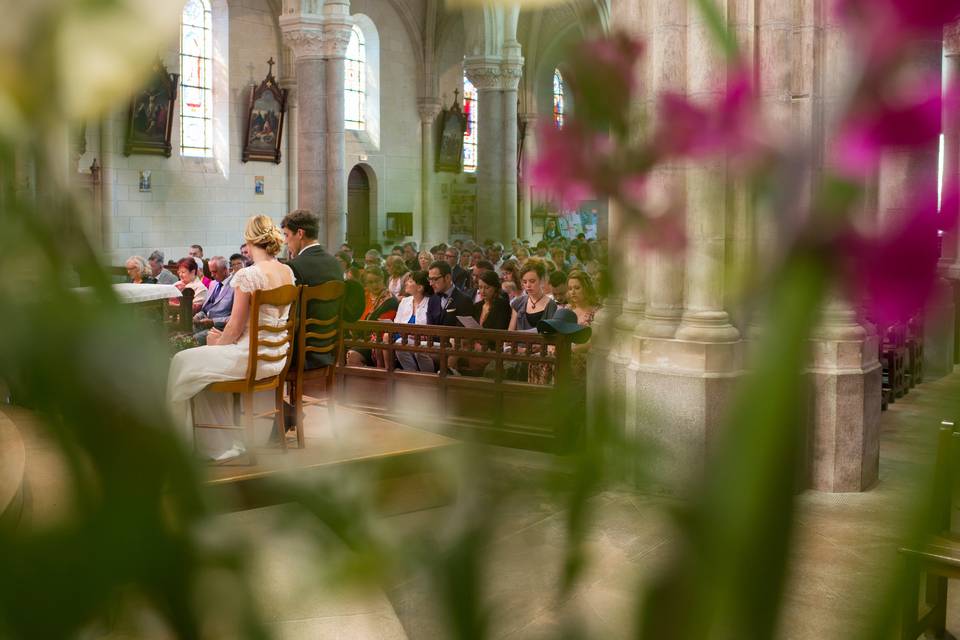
x: 908, y: 118
x: 601, y: 73
x: 885, y: 27
x: 922, y: 17
x: 728, y: 126
x: 567, y: 162
x: 894, y: 274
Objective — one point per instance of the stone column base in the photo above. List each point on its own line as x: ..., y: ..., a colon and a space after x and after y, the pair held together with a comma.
x: 677, y: 395
x: 939, y: 332
x: 845, y: 429
x: 844, y: 420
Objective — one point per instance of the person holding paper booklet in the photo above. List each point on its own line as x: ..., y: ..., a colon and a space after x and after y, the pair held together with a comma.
x: 534, y: 304
x: 491, y: 312
x: 413, y: 310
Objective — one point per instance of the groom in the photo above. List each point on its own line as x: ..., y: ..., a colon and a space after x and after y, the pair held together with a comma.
x: 312, y: 265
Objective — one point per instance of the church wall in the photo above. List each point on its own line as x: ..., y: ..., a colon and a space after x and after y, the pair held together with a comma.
x: 456, y: 193
x: 199, y: 200
x: 396, y: 161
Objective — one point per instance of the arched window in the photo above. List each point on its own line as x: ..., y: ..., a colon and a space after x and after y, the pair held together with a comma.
x: 559, y: 106
x: 355, y: 81
x: 470, y: 135
x: 196, y: 80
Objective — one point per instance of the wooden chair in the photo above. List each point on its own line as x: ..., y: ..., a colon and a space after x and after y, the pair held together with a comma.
x: 249, y: 385
x: 938, y: 559
x: 324, y: 335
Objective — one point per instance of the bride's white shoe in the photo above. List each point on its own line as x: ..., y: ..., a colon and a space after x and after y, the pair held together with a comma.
x: 235, y: 451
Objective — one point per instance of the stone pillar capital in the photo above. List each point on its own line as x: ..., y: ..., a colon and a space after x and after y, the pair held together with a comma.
x: 337, y: 34
x: 313, y: 37
x: 304, y: 36
x: 488, y: 73
x: 428, y: 108
x: 529, y: 119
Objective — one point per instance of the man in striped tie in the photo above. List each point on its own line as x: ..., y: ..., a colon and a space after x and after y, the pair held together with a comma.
x: 219, y: 303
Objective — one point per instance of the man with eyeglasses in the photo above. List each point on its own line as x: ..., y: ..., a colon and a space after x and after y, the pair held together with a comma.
x: 448, y: 301
x: 461, y: 277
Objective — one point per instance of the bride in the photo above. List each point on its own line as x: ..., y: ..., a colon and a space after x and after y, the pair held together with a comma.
x: 226, y: 353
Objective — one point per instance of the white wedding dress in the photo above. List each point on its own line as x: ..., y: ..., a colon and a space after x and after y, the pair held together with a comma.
x: 193, y: 369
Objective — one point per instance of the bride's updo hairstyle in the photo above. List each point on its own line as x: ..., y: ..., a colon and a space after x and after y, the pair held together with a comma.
x: 262, y: 232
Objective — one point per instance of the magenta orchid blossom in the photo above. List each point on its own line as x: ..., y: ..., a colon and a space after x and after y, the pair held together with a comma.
x: 568, y: 163
x: 886, y: 28
x: 726, y: 127
x: 894, y: 274
x: 909, y: 118
x: 914, y: 17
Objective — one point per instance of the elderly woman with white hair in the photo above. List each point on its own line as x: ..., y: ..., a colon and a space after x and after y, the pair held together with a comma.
x: 138, y: 271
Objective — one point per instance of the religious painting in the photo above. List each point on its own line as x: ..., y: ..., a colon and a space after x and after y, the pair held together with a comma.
x: 258, y: 185
x: 268, y: 105
x: 452, y: 125
x: 145, y: 175
x: 151, y: 114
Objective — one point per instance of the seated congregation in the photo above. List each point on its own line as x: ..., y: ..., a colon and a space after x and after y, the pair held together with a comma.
x: 460, y: 311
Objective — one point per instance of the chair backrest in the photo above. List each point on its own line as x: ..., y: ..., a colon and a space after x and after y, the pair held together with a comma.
x: 946, y: 478
x: 319, y: 334
x: 185, y: 316
x: 284, y: 296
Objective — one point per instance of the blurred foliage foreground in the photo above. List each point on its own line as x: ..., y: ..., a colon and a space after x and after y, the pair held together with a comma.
x: 138, y: 536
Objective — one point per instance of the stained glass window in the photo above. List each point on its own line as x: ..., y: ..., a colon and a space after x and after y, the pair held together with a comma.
x: 470, y: 135
x: 354, y: 84
x: 196, y: 80
x: 559, y: 108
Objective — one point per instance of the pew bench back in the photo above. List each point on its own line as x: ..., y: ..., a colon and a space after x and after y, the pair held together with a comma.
x: 501, y: 407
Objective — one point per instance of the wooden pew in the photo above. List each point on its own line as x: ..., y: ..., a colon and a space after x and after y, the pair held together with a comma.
x: 894, y: 358
x: 939, y: 558
x: 493, y: 408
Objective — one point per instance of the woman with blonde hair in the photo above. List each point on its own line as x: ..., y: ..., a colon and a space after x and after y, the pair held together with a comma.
x: 138, y: 271
x: 398, y: 274
x: 226, y: 353
x: 424, y: 259
x: 583, y: 300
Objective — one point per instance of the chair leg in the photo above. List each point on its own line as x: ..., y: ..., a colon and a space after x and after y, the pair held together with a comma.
x: 331, y: 403
x: 937, y: 599
x: 298, y: 414
x: 281, y: 423
x: 911, y: 603
x: 248, y: 423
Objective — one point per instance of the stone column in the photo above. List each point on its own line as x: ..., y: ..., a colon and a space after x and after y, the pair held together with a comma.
x: 304, y: 36
x: 511, y: 70
x: 288, y: 79
x: 337, y: 29
x: 844, y: 370
x: 484, y: 73
x: 950, y: 251
x: 704, y: 317
x: 529, y: 141
x: 435, y: 223
x: 667, y: 72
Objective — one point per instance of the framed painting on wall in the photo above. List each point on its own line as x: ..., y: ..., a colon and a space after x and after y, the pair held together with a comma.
x: 151, y: 114
x: 450, y: 139
x: 268, y: 105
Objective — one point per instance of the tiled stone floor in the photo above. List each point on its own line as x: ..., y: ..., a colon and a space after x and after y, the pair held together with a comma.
x: 843, y: 544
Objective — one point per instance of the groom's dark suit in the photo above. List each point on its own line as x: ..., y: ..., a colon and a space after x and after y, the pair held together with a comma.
x: 314, y: 266
x: 443, y: 310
